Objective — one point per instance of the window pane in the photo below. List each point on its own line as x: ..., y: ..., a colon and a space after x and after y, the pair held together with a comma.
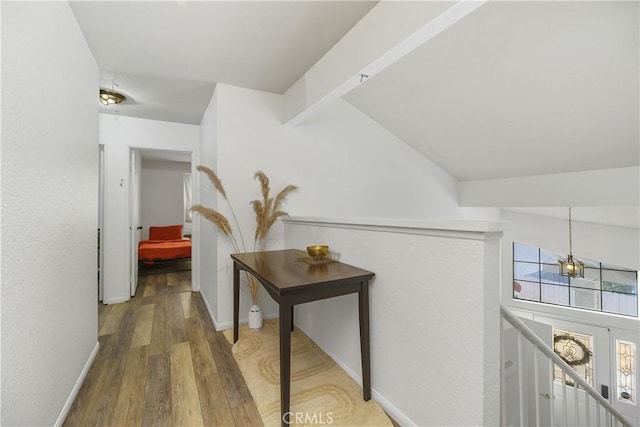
x: 553, y: 294
x: 590, y: 263
x: 526, y: 290
x: 526, y: 271
x: 617, y: 267
x: 576, y: 349
x: 620, y: 303
x: 585, y: 298
x: 626, y: 371
x: 537, y: 277
x: 551, y: 274
x: 524, y: 253
x: 550, y: 257
x: 591, y: 279
x: 620, y: 281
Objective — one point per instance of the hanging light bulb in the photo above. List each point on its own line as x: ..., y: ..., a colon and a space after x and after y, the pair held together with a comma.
x: 570, y: 266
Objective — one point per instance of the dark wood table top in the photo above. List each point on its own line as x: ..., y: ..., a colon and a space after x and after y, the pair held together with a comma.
x: 285, y: 272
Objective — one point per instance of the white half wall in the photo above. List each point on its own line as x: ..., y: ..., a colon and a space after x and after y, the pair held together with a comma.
x: 434, y: 320
x: 162, y: 193
x: 49, y: 211
x: 119, y: 135
x: 345, y: 164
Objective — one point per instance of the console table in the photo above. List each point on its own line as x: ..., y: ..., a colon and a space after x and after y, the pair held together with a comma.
x: 290, y: 281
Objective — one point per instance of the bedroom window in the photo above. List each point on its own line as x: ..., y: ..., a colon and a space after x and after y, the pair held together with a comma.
x: 186, y: 179
x: 605, y: 288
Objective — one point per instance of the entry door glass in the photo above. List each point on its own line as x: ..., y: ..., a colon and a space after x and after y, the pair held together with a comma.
x: 577, y: 350
x: 585, y: 348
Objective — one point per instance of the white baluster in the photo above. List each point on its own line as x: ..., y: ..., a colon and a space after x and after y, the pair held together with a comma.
x: 575, y: 401
x: 536, y: 389
x: 520, y: 393
x: 586, y: 405
x: 564, y: 397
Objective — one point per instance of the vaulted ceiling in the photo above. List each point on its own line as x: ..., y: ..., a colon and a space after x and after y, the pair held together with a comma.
x: 166, y: 56
x: 518, y: 89
x: 511, y: 89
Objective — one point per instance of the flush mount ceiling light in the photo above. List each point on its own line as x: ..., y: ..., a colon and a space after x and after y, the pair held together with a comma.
x: 110, y: 97
x: 571, y: 267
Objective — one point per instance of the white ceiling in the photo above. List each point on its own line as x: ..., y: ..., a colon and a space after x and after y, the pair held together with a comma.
x: 165, y: 50
x: 513, y: 89
x: 517, y: 89
x: 157, y: 98
x: 619, y: 216
x: 165, y: 156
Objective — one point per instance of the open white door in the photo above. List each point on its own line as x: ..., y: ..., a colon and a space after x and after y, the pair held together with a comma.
x: 134, y: 216
x: 513, y: 388
x: 100, y: 222
x: 596, y: 371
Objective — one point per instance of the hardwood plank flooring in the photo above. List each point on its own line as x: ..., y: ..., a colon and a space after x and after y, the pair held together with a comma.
x: 161, y: 363
x: 184, y: 391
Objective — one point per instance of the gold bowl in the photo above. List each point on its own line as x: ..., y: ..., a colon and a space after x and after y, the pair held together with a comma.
x: 317, y: 251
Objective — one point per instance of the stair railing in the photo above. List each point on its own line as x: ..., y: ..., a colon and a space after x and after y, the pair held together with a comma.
x: 605, y: 414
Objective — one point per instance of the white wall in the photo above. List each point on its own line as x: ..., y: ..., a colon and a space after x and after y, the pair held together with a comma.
x: 435, y: 345
x: 613, y: 245
x: 119, y: 135
x: 207, y: 237
x: 49, y: 211
x: 162, y: 193
x: 345, y: 164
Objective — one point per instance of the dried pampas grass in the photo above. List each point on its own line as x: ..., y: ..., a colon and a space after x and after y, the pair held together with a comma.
x: 267, y: 212
x: 214, y: 179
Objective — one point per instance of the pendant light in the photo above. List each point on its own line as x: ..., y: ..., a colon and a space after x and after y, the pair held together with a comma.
x: 571, y: 267
x: 110, y: 97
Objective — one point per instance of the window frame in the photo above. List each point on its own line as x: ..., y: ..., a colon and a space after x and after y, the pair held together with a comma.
x: 540, y: 282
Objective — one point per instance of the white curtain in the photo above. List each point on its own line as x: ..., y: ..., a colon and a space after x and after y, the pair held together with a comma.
x: 187, y: 197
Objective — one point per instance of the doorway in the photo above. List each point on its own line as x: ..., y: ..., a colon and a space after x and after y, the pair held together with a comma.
x: 594, y: 353
x: 156, y: 199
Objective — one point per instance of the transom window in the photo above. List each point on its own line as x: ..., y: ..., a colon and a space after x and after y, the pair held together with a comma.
x: 605, y: 288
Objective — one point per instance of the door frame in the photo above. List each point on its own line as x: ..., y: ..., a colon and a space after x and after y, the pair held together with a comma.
x: 135, y: 171
x: 195, y: 224
x: 100, y: 260
x: 601, y: 345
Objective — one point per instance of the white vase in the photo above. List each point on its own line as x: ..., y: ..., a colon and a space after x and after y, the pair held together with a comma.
x: 255, y: 318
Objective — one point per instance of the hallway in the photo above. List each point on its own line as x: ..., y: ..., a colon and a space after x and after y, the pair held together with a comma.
x: 161, y: 362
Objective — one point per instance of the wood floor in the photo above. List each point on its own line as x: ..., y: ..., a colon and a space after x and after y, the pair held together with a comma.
x: 161, y: 363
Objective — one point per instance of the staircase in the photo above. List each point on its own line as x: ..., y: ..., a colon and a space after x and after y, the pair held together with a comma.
x: 529, y: 394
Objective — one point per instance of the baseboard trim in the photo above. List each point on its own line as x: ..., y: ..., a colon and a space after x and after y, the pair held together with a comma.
x: 76, y: 387
x: 116, y: 300
x: 211, y: 316
x: 386, y: 406
x: 222, y: 326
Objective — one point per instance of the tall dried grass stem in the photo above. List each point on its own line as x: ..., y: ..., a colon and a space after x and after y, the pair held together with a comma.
x: 217, y: 183
x: 282, y: 196
x: 267, y: 212
x: 219, y: 220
